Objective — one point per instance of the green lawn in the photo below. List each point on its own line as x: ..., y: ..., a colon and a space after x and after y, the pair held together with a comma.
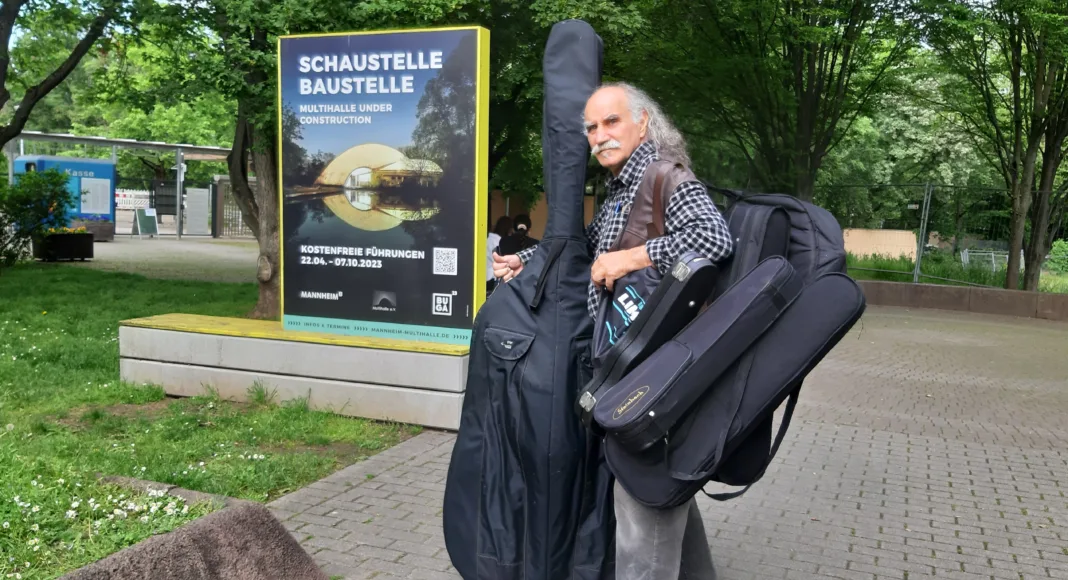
x: 940, y: 269
x: 65, y: 416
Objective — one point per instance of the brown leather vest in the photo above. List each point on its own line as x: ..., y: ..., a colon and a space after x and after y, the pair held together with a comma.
x: 646, y: 219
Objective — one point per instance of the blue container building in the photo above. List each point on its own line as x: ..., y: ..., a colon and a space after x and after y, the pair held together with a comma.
x: 91, y: 182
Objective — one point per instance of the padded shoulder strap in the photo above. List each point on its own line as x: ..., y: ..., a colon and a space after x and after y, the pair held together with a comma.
x: 675, y: 175
x: 656, y: 226
x: 791, y: 404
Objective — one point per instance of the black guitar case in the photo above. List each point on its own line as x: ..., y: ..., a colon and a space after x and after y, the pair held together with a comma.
x: 643, y: 408
x: 528, y: 493
x: 670, y: 472
x: 674, y: 303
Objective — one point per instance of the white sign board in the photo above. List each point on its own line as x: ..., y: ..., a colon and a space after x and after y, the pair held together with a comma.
x: 197, y: 212
x: 96, y: 195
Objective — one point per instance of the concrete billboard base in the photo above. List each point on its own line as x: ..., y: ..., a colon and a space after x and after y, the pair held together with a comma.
x: 191, y: 355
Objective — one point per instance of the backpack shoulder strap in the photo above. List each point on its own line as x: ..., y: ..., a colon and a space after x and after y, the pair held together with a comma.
x: 655, y: 227
x: 647, y: 213
x: 668, y: 180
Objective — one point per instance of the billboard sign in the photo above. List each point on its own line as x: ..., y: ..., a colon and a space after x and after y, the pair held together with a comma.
x: 383, y: 152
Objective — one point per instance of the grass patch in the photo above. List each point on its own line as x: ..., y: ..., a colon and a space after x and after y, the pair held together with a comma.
x: 65, y: 416
x: 941, y: 269
x: 1053, y: 283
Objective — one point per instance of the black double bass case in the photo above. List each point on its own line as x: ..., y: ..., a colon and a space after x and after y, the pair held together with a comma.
x: 528, y: 494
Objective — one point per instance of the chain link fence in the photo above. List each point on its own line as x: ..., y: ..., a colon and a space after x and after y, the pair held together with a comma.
x: 923, y: 232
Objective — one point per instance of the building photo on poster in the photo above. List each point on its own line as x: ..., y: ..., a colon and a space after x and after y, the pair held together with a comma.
x: 382, y: 146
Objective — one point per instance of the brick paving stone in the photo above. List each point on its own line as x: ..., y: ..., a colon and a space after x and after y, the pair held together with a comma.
x: 928, y: 444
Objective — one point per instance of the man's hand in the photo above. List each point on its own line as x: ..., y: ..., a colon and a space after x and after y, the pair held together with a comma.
x: 612, y: 266
x: 506, y: 267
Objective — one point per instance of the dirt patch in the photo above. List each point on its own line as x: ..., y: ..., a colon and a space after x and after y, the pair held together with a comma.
x: 74, y: 418
x: 344, y: 452
x: 144, y: 410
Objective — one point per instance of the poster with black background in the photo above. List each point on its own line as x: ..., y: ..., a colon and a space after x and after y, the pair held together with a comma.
x: 382, y: 158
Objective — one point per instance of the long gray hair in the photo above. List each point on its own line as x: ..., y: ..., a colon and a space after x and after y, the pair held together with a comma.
x: 669, y: 142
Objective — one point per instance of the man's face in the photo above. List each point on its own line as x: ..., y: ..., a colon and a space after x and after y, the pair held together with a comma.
x: 610, y: 127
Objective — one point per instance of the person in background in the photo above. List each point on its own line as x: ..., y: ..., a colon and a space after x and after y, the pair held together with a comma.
x: 520, y: 238
x: 500, y: 231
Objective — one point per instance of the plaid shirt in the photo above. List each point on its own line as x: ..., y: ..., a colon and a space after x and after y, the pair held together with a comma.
x: 691, y: 221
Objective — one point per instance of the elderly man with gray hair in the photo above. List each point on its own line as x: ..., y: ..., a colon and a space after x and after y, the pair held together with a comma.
x: 627, y: 132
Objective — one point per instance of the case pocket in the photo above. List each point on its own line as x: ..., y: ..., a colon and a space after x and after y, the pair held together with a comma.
x: 505, y: 344
x: 624, y: 411
x: 501, y: 506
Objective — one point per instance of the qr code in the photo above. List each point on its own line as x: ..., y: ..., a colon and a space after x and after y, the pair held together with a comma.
x: 445, y: 261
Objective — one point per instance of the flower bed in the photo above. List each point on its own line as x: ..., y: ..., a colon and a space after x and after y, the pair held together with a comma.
x: 63, y: 244
x: 102, y: 229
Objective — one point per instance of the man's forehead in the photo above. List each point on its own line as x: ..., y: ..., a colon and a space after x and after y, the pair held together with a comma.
x: 606, y: 103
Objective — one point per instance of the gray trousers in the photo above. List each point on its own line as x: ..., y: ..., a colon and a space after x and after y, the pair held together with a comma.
x: 656, y: 544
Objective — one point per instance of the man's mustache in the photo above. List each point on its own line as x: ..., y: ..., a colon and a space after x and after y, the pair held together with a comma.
x: 611, y: 144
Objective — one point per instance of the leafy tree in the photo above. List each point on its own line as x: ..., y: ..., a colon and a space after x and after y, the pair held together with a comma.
x: 907, y: 143
x: 121, y: 90
x: 22, y: 79
x: 1005, y: 61
x: 783, y: 80
x: 239, y: 62
x: 131, y: 95
x: 40, y: 48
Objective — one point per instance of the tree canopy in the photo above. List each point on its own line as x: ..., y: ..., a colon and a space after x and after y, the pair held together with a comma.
x: 855, y: 104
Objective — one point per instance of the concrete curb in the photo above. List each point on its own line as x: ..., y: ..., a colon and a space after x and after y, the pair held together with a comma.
x: 187, y: 495
x: 978, y: 300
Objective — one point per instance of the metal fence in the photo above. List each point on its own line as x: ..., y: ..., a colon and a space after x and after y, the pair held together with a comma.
x: 197, y: 217
x: 923, y: 232
x: 231, y: 222
x: 208, y: 208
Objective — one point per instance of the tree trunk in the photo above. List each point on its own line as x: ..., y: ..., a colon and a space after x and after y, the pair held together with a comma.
x: 805, y: 185
x: 1041, y: 213
x: 958, y: 225
x: 1021, y: 207
x: 259, y: 208
x: 1052, y: 155
x: 268, y: 268
x: 1036, y: 248
x: 237, y: 164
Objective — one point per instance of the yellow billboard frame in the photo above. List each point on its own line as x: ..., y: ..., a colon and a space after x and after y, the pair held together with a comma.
x: 481, y: 227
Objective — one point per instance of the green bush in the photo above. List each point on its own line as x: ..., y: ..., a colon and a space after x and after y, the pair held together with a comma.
x: 1058, y: 257
x: 36, y: 202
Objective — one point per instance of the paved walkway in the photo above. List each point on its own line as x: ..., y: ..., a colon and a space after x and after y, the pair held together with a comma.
x: 166, y: 257
x: 927, y: 444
